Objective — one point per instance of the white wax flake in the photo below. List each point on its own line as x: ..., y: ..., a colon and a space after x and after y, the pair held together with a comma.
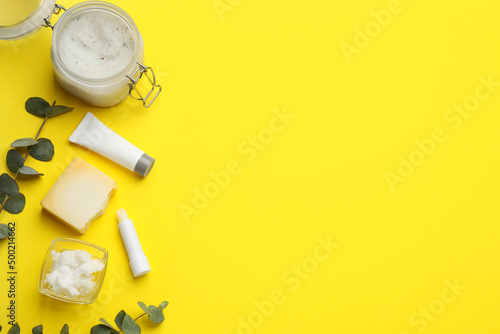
x: 72, y: 272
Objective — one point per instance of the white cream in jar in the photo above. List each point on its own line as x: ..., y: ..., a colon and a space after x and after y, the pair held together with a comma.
x: 73, y: 272
x: 96, y: 45
x: 96, y: 48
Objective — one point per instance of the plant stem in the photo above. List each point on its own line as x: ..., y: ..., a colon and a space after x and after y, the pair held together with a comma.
x: 4, y: 201
x: 31, y: 147
x: 135, y: 320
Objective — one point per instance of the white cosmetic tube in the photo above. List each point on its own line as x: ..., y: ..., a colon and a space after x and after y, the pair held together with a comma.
x: 94, y: 135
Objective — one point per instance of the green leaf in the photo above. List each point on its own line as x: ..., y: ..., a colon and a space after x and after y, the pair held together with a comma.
x: 36, y: 106
x: 56, y: 111
x: 8, y: 186
x: 43, y: 151
x: 24, y: 142
x: 26, y: 170
x: 37, y: 330
x: 105, y: 322
x: 15, y: 204
x: 129, y: 325
x: 100, y: 329
x: 14, y: 329
x: 65, y: 329
x: 4, y: 232
x: 163, y: 305
x: 156, y: 315
x: 119, y: 318
x: 143, y: 306
x: 14, y: 161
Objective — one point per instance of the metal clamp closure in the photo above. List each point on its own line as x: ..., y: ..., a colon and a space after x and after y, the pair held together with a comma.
x: 134, y: 79
x: 56, y: 11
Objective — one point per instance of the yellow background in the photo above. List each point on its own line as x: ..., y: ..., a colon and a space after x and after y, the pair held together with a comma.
x: 322, y: 176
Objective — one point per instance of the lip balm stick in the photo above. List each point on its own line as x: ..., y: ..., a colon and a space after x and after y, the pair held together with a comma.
x: 138, y: 260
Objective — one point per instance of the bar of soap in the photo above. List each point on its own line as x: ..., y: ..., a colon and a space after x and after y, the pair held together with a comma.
x: 80, y: 195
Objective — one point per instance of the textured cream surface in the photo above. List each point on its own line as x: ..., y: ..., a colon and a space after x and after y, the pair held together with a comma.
x: 96, y: 44
x: 72, y: 272
x: 80, y: 195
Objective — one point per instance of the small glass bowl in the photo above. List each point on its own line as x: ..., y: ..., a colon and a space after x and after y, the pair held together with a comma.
x: 64, y: 244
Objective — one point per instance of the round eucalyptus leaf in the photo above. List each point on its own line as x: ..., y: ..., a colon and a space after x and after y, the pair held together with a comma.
x: 156, y: 315
x: 15, y: 329
x: 37, y: 330
x: 26, y: 170
x: 100, y: 329
x: 15, y: 205
x: 163, y: 305
x: 8, y: 186
x: 36, y: 106
x: 65, y: 329
x: 119, y: 319
x: 129, y: 326
x: 105, y: 322
x: 57, y: 110
x: 14, y: 161
x: 143, y: 306
x: 43, y: 151
x: 4, y: 230
x: 24, y: 142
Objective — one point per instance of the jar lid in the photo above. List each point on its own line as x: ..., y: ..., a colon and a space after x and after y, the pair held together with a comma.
x: 19, y: 19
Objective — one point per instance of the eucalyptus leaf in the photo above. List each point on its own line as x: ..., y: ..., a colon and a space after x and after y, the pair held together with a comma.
x: 24, y: 142
x: 36, y: 106
x: 65, y: 329
x: 119, y: 319
x: 15, y: 329
x: 143, y: 306
x: 163, y: 305
x: 4, y: 232
x: 14, y: 161
x: 156, y: 315
x: 100, y: 329
x: 105, y: 322
x: 15, y: 204
x: 129, y: 325
x: 8, y: 186
x: 37, y: 330
x: 56, y: 110
x: 43, y: 151
x: 26, y: 170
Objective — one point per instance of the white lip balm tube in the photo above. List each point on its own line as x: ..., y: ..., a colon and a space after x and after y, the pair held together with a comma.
x: 94, y: 135
x: 138, y: 260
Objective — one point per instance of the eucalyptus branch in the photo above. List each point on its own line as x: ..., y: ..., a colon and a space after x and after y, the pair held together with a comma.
x: 38, y: 148
x: 126, y: 324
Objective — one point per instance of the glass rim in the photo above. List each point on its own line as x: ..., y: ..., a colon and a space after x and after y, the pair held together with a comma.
x: 29, y: 25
